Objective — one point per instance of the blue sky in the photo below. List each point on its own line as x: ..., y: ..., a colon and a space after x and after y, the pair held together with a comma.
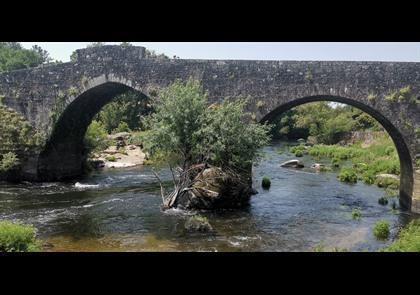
x: 357, y: 51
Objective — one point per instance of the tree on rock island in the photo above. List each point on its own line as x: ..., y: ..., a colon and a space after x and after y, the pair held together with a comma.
x: 212, y: 147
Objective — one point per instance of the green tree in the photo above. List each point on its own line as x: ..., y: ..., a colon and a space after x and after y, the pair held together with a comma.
x: 186, y: 128
x: 14, y: 57
x: 226, y: 141
x: 175, y: 126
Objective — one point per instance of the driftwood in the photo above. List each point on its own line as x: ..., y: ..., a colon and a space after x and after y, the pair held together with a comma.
x: 205, y: 187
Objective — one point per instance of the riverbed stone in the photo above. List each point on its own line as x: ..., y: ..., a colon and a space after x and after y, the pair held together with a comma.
x: 292, y: 164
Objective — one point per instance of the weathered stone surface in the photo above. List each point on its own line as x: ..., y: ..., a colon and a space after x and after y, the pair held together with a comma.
x: 61, y: 100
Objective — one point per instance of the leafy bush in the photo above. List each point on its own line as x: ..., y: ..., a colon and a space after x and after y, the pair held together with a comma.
x: 185, y: 127
x: 355, y: 213
x: 335, y: 162
x: 381, y: 229
x: 111, y: 158
x: 266, y: 182
x: 8, y: 162
x: 96, y: 137
x: 298, y: 150
x: 408, y: 239
x: 122, y: 127
x: 347, y: 175
x: 16, y: 237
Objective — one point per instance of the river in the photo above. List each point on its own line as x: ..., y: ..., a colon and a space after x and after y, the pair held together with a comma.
x: 119, y: 210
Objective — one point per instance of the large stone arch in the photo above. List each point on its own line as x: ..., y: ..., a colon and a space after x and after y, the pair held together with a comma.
x: 406, y: 165
x: 62, y: 155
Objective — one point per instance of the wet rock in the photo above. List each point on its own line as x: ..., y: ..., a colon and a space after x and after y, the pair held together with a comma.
x: 317, y: 166
x: 292, y: 164
x: 119, y: 136
x: 384, y: 175
x: 198, y: 223
x: 96, y: 164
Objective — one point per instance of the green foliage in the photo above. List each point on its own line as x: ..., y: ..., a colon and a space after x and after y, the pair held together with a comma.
x: 8, y: 162
x: 408, y: 239
x: 96, y: 137
x: 403, y: 94
x: 347, y: 175
x: 122, y: 127
x: 356, y: 214
x: 227, y: 141
x: 16, y: 134
x: 381, y: 229
x: 176, y: 125
x: 129, y: 108
x: 14, y: 57
x: 111, y: 158
x: 335, y: 162
x: 16, y: 237
x: 367, y: 162
x: 328, y: 126
x: 186, y: 129
x: 266, y: 182
x: 298, y: 150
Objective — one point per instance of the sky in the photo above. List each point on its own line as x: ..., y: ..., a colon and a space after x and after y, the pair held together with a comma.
x: 350, y: 51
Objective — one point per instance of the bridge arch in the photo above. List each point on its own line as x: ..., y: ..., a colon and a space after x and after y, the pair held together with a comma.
x: 406, y: 165
x: 63, y: 154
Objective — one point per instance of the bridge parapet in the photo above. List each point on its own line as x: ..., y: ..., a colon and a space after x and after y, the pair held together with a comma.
x: 110, y: 52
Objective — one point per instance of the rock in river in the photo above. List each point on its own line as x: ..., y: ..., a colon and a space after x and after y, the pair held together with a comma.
x: 292, y: 164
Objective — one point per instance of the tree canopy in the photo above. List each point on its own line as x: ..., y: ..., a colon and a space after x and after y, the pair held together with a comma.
x: 186, y: 128
x: 14, y: 57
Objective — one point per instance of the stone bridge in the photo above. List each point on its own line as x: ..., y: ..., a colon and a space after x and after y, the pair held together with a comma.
x: 60, y: 100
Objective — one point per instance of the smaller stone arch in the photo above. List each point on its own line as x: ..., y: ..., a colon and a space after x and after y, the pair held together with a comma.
x: 62, y: 156
x: 406, y: 165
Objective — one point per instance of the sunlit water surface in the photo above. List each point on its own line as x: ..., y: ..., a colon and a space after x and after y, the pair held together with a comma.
x: 119, y: 210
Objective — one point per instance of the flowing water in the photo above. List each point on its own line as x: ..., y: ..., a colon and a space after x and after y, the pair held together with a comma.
x: 119, y: 210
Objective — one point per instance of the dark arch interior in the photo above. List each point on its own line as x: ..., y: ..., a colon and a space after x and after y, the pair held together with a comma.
x: 62, y: 157
x: 406, y: 179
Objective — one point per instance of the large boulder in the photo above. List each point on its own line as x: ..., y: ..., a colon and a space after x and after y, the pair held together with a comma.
x: 214, y: 188
x: 292, y: 164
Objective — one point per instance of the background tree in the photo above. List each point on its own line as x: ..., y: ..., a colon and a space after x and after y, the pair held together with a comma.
x: 14, y: 57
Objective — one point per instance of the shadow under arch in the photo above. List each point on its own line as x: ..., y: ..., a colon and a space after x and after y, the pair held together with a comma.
x: 63, y: 155
x: 406, y: 165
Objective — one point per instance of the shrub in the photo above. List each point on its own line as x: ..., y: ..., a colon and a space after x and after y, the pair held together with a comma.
x: 356, y: 214
x: 122, y: 127
x: 15, y: 237
x: 408, y: 239
x: 266, y: 182
x: 8, y: 162
x: 381, y: 229
x: 111, y: 159
x: 335, y: 162
x: 298, y: 150
x: 96, y: 137
x: 347, y: 175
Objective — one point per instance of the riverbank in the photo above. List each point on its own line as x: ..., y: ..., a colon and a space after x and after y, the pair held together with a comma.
x: 373, y: 160
x: 122, y: 151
